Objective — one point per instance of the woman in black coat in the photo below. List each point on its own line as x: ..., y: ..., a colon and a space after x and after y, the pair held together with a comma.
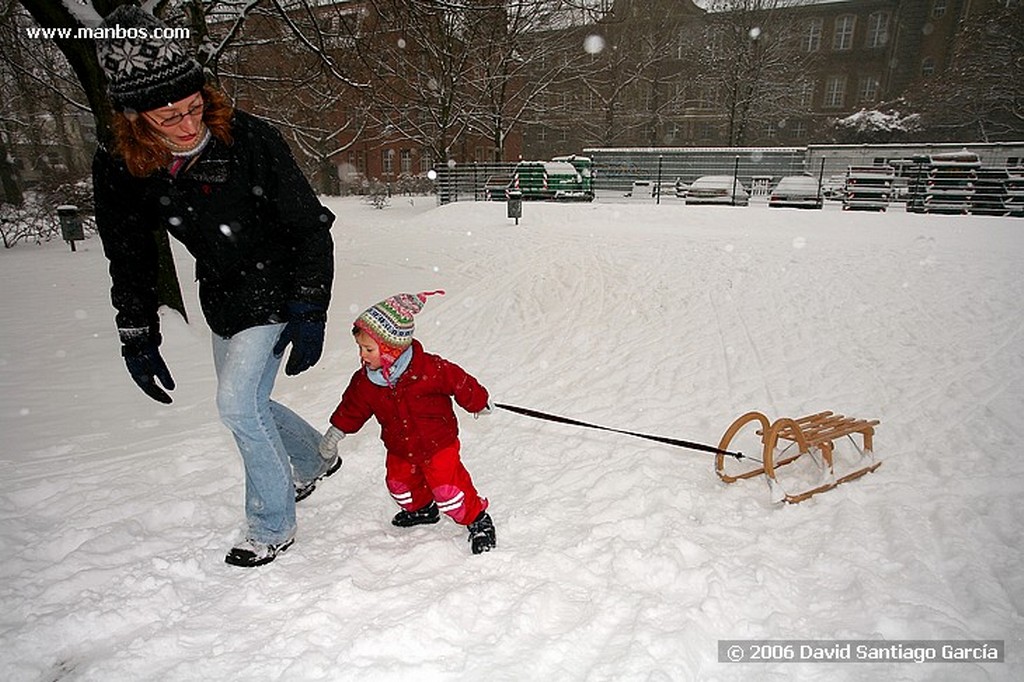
x: 225, y: 184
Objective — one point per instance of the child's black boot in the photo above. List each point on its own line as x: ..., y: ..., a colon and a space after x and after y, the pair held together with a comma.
x: 481, y: 534
x: 421, y: 516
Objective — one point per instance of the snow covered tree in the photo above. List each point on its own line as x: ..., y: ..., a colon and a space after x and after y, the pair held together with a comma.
x: 44, y: 131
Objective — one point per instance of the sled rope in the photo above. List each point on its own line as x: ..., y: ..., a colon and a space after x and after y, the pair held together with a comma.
x: 525, y: 411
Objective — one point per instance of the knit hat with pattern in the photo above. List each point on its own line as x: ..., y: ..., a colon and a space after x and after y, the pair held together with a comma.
x: 390, y: 323
x: 144, y: 69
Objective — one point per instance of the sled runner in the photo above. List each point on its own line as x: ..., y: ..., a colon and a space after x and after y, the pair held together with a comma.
x: 813, y: 435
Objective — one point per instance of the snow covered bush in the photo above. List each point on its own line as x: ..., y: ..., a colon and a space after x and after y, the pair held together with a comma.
x: 876, y: 126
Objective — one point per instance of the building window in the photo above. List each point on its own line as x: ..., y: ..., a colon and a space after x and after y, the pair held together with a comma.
x: 405, y: 161
x: 770, y: 130
x: 805, y: 95
x: 867, y: 89
x: 842, y: 39
x: 706, y: 96
x: 388, y: 161
x: 799, y: 130
x: 563, y: 135
x: 426, y: 160
x: 677, y: 96
x: 542, y: 134
x: 811, y: 41
x: 835, y: 90
x: 938, y: 9
x: 878, y: 29
x: 713, y: 46
x: 927, y: 66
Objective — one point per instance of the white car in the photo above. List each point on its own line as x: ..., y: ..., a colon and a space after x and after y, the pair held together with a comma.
x: 717, y: 189
x: 649, y: 189
x: 796, y: 191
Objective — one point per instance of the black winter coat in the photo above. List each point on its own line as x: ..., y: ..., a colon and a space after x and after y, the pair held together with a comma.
x: 259, y: 235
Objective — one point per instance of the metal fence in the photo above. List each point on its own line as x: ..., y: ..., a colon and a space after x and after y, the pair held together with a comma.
x: 757, y: 168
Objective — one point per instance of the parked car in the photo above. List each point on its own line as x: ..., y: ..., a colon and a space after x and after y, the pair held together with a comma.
x: 649, y: 189
x: 717, y: 189
x: 675, y: 188
x: 796, y: 191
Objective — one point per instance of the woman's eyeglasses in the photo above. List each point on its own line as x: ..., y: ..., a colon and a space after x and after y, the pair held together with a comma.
x: 175, y: 119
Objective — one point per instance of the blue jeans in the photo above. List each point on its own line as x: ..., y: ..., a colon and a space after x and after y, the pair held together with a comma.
x: 273, y: 440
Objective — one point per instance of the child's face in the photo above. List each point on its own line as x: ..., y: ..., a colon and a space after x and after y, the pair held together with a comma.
x: 369, y: 350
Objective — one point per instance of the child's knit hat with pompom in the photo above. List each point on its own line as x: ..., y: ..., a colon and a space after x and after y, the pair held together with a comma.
x: 390, y: 323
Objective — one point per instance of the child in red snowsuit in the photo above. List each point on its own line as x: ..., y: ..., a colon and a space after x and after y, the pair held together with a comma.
x: 410, y: 393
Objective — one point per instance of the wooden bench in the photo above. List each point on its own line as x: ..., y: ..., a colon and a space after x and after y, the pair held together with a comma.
x: 815, y: 432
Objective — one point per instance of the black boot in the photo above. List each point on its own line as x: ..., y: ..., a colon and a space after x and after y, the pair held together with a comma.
x: 304, y: 490
x: 481, y: 534
x: 421, y: 516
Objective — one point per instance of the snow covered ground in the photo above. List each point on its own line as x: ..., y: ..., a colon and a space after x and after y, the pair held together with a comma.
x: 618, y: 558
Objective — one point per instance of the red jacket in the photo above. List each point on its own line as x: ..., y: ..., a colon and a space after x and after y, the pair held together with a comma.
x: 416, y: 416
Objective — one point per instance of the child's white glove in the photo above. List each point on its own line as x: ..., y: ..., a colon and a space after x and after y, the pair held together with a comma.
x: 488, y: 408
x: 329, y: 442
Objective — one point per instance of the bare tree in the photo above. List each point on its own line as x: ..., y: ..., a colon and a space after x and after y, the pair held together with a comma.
x: 42, y: 108
x: 981, y: 93
x: 621, y: 78
x: 751, y: 60
x: 43, y: 131
x: 293, y: 64
x: 418, y: 56
x: 520, y: 55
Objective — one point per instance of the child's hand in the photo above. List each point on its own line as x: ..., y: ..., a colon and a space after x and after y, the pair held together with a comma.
x: 488, y: 408
x: 329, y: 442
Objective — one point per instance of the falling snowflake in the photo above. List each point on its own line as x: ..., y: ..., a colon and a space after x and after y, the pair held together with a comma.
x: 593, y: 44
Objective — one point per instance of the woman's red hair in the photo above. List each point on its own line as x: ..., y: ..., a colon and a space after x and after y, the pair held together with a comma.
x: 144, y: 152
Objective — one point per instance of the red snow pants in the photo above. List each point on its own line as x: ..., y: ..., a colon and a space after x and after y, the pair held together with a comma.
x: 440, y: 478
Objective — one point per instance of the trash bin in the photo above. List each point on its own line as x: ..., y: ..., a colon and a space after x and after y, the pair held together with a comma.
x: 70, y: 224
x: 515, y: 204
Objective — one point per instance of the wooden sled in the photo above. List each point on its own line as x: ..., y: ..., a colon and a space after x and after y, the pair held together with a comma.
x: 813, y: 434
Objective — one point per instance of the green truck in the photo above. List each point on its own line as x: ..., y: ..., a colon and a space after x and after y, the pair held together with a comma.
x: 564, y: 178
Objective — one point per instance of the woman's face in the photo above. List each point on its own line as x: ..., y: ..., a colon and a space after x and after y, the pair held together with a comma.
x: 181, y: 122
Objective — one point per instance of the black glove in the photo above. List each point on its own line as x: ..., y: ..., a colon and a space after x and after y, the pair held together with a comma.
x: 305, y: 332
x: 142, y: 357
